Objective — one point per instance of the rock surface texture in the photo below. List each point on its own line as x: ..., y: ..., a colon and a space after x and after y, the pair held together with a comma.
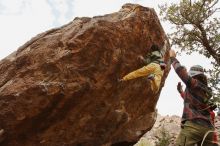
x: 61, y: 88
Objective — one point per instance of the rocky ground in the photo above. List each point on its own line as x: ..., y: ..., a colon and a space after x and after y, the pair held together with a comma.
x: 166, y: 127
x: 166, y: 130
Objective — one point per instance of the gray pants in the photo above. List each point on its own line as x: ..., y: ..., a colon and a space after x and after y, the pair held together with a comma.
x: 192, y: 134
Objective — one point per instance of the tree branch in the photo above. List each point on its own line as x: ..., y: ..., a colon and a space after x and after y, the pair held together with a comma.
x: 206, y: 44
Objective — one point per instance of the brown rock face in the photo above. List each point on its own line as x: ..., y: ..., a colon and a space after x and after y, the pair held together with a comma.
x: 61, y: 89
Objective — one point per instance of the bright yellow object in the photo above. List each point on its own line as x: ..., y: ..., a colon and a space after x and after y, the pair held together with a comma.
x: 152, y: 68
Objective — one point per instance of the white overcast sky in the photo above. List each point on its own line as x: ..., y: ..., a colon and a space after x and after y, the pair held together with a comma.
x: 23, y: 19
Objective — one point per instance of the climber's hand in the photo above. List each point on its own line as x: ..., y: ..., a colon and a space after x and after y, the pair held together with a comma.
x: 140, y: 59
x: 120, y: 80
x: 179, y: 87
x: 172, y: 53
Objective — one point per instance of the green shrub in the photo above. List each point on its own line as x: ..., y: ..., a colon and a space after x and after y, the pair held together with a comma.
x: 164, y: 137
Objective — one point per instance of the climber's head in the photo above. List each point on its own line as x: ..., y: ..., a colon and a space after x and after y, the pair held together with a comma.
x: 197, y: 72
x: 156, y: 53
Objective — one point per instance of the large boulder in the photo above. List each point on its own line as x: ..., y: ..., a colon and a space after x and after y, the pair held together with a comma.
x: 61, y: 88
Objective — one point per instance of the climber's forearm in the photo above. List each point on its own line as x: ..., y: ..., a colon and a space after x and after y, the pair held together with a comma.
x: 181, y: 71
x: 135, y: 74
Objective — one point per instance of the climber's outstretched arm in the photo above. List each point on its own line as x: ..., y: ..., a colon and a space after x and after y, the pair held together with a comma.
x: 144, y: 71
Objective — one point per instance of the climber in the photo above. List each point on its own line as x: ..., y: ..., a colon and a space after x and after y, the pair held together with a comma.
x: 211, y: 110
x: 196, y: 119
x: 153, y: 69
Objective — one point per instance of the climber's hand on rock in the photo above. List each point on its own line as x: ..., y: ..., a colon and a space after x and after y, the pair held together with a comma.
x: 172, y: 53
x: 140, y: 58
x: 120, y: 80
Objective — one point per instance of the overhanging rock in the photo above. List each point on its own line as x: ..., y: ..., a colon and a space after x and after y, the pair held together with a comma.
x: 61, y: 88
